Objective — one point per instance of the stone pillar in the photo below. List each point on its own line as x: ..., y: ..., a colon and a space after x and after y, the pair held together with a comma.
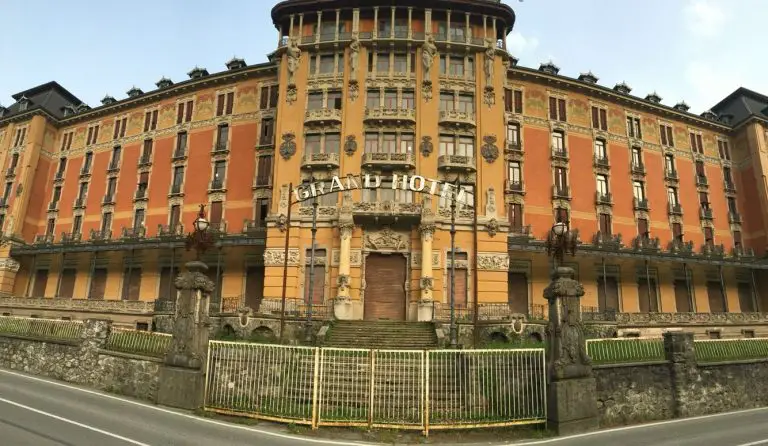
x: 678, y: 350
x: 427, y: 229
x: 571, y: 390
x: 182, y: 377
x: 8, y: 270
x: 342, y: 304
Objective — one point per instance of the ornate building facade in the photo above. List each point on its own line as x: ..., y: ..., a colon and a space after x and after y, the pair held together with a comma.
x: 375, y: 130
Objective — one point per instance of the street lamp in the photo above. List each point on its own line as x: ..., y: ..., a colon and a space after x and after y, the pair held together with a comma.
x: 200, y: 239
x: 560, y: 241
x: 308, y: 330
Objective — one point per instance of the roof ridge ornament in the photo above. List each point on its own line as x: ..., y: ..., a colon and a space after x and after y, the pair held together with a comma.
x: 709, y: 114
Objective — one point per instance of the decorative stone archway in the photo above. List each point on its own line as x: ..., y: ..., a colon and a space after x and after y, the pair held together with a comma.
x: 387, y: 241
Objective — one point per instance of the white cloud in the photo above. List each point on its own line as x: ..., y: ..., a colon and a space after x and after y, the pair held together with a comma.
x: 518, y: 44
x: 704, y: 18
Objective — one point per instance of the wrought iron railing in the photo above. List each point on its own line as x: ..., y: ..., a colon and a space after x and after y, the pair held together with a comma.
x: 137, y: 342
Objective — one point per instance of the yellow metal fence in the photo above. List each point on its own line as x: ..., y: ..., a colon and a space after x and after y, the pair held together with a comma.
x: 436, y: 389
x: 52, y: 329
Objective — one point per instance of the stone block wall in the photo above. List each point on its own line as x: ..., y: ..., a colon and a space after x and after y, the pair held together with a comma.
x: 84, y: 362
x: 633, y: 393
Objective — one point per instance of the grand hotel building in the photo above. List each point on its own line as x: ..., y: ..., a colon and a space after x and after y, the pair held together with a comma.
x: 671, y: 207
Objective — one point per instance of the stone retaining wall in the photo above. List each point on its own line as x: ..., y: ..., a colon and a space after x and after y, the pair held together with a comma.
x: 83, y: 362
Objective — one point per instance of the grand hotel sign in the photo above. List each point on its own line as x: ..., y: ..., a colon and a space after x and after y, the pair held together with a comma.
x: 413, y: 183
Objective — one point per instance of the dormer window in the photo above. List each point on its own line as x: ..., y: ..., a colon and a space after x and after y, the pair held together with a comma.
x: 23, y: 104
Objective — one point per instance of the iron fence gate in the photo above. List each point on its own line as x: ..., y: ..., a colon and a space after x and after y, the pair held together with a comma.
x: 405, y: 389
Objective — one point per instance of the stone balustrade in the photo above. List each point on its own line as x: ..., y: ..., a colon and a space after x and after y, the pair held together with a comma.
x: 103, y: 306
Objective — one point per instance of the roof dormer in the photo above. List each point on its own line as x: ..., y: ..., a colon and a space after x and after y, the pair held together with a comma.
x: 235, y: 64
x: 197, y: 73
x: 164, y: 82
x: 134, y: 91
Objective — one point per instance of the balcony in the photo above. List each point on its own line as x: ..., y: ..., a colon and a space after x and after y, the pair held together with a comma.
x: 712, y: 250
x: 71, y: 237
x: 675, y: 209
x: 175, y: 191
x: 514, y: 187
x: 641, y: 204
x: 322, y: 116
x: 44, y: 239
x: 254, y: 227
x: 734, y: 217
x: 561, y: 192
x: 701, y: 181
x: 389, y: 160
x: 79, y: 203
x: 514, y: 148
x: 681, y: 247
x: 216, y: 185
x: 262, y: 181
x: 220, y: 148
x: 645, y: 243
x: 604, y: 198
x: 600, y: 161
x: 100, y: 236
x: 145, y: 161
x: 457, y: 118
x: 386, y: 211
x: 85, y: 171
x: 3, y: 202
x: 170, y: 231
x: 705, y: 214
x: 113, y: 167
x: 179, y: 155
x: 730, y: 187
x: 456, y: 162
x: 141, y: 194
x: 11, y: 172
x: 312, y: 161
x: 108, y: 199
x: 382, y: 114
x: 59, y: 177
x: 218, y: 228
x: 266, y: 141
x: 604, y: 240
x: 559, y: 154
x: 53, y: 206
x: 671, y: 175
x: 741, y: 252
x: 638, y: 168
x: 134, y: 232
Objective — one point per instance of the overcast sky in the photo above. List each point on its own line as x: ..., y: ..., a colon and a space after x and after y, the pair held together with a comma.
x: 692, y: 50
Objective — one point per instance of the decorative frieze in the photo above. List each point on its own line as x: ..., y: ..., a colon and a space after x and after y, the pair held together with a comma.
x: 492, y: 261
x: 9, y: 264
x: 355, y: 256
x: 276, y: 257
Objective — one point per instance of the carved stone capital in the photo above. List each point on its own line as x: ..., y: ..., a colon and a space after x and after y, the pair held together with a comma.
x: 194, y: 279
x: 9, y: 264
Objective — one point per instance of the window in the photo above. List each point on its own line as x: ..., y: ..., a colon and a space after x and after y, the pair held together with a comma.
x: 334, y: 100
x: 262, y: 211
x: 457, y: 31
x: 557, y: 109
x: 373, y: 99
x: 7, y: 192
x: 600, y: 152
x: 599, y: 118
x: 607, y: 293
x: 138, y: 219
x: 407, y: 142
x: 669, y: 164
x: 466, y: 103
x: 401, y: 63
x: 216, y: 212
x: 56, y: 196
x: 515, y: 173
x: 184, y: 112
x: 219, y: 169
x: 382, y: 63
x: 332, y: 142
x: 120, y: 125
x: 131, y: 284
x: 50, y: 227
x: 716, y: 299
x: 150, y: 120
x: 21, y: 135
x: 178, y: 179
x: 267, y: 132
x: 696, y: 143
x: 106, y: 222
x: 82, y: 192
x: 327, y: 64
x: 727, y: 176
x: 732, y: 205
x: 77, y: 224
x: 677, y: 232
x: 225, y: 103
x: 558, y: 142
x: 389, y: 143
x: 222, y: 137
x: 456, y: 66
x: 14, y: 162
x: 312, y: 144
x: 93, y: 135
x: 409, y: 101
x: 175, y: 216
x: 666, y: 135
x: 371, y: 142
x: 516, y: 217
x: 264, y: 171
x: 561, y: 215
x: 638, y: 190
x: 447, y: 145
x: 723, y: 150
x: 746, y: 299
x: 672, y: 196
x: 87, y: 162
x: 513, y: 134
x: 181, y: 145
x: 66, y: 140
x: 737, y: 242
x: 602, y: 185
x: 115, y: 157
x: 315, y: 101
x: 647, y: 293
x: 390, y: 99
x: 709, y: 236
x: 704, y: 200
x: 605, y: 224
x: 633, y: 127
x: 268, y: 97
x: 146, y: 153
x: 446, y: 102
x: 513, y: 101
x: 682, y: 296
x: 141, y: 190
x: 59, y: 172
x: 111, y: 184
x: 561, y: 179
x: 466, y: 147
x: 642, y: 228
x: 637, y: 157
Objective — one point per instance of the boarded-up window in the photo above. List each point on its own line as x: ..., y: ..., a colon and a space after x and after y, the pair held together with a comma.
x: 167, y: 289
x: 216, y: 210
x: 716, y: 298
x: 682, y: 297
x: 40, y: 281
x: 98, y: 284
x: 460, y: 299
x: 67, y: 286
x: 746, y: 298
x: 254, y: 287
x: 608, y: 293
x: 646, y: 290
x: 131, y: 284
x: 518, y: 293
x: 318, y: 283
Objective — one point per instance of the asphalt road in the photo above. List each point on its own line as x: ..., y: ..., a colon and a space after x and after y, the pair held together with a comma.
x: 40, y: 412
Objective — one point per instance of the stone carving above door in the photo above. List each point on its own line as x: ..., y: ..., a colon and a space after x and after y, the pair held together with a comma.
x: 386, y: 240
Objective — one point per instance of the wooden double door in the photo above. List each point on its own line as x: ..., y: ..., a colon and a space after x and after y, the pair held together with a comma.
x: 385, y: 282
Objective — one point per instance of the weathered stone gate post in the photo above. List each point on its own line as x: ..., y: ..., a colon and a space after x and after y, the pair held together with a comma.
x: 571, y: 388
x: 182, y: 377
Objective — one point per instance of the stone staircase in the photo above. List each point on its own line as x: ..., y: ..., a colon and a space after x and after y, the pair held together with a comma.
x: 382, y: 335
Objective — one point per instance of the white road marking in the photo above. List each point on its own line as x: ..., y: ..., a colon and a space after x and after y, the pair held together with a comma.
x: 755, y: 443
x: 67, y: 420
x: 192, y: 417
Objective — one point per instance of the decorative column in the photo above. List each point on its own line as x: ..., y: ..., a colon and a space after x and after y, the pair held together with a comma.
x: 427, y: 229
x: 571, y: 391
x: 182, y: 377
x: 342, y: 305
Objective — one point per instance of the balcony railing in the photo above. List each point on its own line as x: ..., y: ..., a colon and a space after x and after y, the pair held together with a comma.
x: 114, y: 166
x: 11, y: 172
x: 386, y: 208
x: 456, y: 117
x: 71, y: 237
x: 219, y: 227
x: 712, y: 250
x: 85, y: 171
x: 393, y: 160
x: 220, y: 148
x: 134, y: 232
x: 44, y: 239
x: 175, y: 190
x: 701, y: 180
x: 680, y: 247
x: 607, y: 240
x: 603, y: 198
x: 320, y: 161
x: 59, y: 176
x: 266, y: 141
x: 456, y: 162
x: 141, y: 194
x: 108, y: 199
x: 216, y: 185
x: 734, y: 217
x: 601, y: 161
x: 730, y: 187
x: 638, y: 168
x: 705, y: 213
x: 145, y: 161
x: 671, y: 175
x: 179, y: 154
x: 175, y: 230
x: 514, y: 148
x: 563, y: 192
x: 390, y: 114
x: 741, y: 252
x: 3, y: 202
x: 322, y: 115
x: 641, y: 204
x: 645, y: 243
x: 516, y: 187
x: 560, y: 154
x: 79, y: 203
x: 252, y: 227
x: 101, y: 235
x: 675, y: 209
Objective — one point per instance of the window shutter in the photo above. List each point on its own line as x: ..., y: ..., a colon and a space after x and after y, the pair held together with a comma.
x: 561, y: 107
x: 122, y: 127
x: 699, y: 168
x: 220, y: 105
x: 154, y: 119
x: 114, y: 135
x: 670, y: 141
x: 147, y: 119
x: 552, y: 108
x: 230, y: 102
x: 595, y: 118
x: 180, y: 114
x: 677, y: 230
x: 190, y: 107
x: 699, y: 144
x: 663, y: 132
x: 603, y: 119
x: 518, y: 100
x: 682, y: 298
x: 708, y: 236
x: 90, y: 135
x: 517, y: 297
x: 720, y: 148
x: 264, y: 100
x: 642, y: 227
x: 508, y: 101
x: 693, y: 142
x: 273, y: 95
x: 605, y: 224
x: 216, y: 211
